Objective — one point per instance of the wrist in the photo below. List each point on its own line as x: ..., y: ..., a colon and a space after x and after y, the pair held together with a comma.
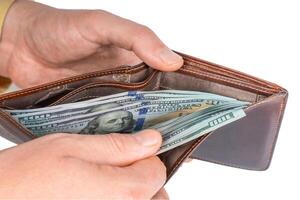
x: 8, y: 35
x: 16, y: 17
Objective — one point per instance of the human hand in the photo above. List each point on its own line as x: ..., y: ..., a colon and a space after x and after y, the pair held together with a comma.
x: 69, y: 166
x: 41, y: 44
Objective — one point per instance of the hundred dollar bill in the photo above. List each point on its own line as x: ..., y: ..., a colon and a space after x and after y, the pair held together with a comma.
x: 201, y: 128
x: 37, y: 118
x: 128, y: 118
x: 190, y: 125
x: 180, y: 116
x: 189, y: 120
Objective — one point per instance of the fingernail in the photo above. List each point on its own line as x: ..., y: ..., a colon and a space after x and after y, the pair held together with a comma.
x: 169, y: 57
x: 147, y: 137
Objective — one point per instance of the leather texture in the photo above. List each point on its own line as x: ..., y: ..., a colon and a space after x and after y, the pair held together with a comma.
x: 247, y: 143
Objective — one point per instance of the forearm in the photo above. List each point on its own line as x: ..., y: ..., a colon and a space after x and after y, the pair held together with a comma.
x: 18, y: 15
x: 13, y: 16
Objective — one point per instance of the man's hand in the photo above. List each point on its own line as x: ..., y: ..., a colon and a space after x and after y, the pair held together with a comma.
x: 72, y: 166
x: 41, y: 44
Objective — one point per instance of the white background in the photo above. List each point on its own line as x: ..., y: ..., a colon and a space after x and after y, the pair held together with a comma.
x: 257, y: 37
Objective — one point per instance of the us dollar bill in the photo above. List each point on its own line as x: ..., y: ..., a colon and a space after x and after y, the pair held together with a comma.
x: 127, y: 118
x: 180, y: 116
x: 133, y: 95
x: 201, y: 128
x: 60, y: 114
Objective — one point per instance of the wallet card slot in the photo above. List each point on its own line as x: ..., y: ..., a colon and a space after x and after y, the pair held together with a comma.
x: 31, y: 97
x: 45, y: 95
x: 98, y: 89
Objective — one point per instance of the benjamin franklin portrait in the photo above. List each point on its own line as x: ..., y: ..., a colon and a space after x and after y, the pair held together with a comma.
x: 115, y: 121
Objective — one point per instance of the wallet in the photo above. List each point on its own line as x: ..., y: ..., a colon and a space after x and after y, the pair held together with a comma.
x: 247, y: 143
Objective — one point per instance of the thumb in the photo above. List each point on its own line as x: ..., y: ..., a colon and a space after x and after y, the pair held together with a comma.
x: 115, y: 149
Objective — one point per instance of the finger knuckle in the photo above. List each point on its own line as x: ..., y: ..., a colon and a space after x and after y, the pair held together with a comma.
x: 117, y: 143
x: 95, y: 14
x: 143, y: 31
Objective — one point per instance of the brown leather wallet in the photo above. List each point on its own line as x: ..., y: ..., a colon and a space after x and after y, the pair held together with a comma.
x: 247, y: 143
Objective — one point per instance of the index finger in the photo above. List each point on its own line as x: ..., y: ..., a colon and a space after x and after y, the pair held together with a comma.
x: 134, y: 37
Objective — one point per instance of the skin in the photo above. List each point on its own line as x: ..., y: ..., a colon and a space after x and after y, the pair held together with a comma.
x: 72, y: 166
x: 41, y: 44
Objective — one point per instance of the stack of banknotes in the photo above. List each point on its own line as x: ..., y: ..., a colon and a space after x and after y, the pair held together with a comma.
x: 180, y: 116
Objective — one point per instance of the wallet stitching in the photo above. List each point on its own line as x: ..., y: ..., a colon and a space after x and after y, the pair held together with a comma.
x: 227, y: 80
x: 207, y: 75
x: 229, y: 72
x: 68, y: 80
x: 231, y: 80
x: 204, y: 66
x: 217, y: 67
